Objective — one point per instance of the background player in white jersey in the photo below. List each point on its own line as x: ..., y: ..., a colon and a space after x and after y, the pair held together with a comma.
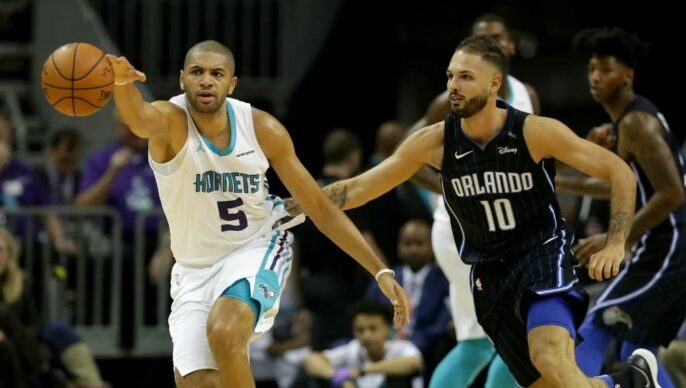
x: 474, y: 350
x: 210, y: 154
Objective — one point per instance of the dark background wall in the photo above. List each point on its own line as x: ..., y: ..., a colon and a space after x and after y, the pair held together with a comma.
x: 386, y: 60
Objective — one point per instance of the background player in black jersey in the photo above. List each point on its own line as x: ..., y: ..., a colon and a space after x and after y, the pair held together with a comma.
x: 645, y: 305
x: 523, y: 280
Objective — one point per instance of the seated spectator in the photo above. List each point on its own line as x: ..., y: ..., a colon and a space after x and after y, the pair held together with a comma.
x: 60, y: 174
x: 327, y: 281
x: 20, y: 330
x: 426, y: 286
x: 19, y: 187
x: 372, y: 359
x: 119, y: 175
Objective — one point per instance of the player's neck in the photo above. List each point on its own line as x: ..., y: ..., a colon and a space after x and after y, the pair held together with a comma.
x: 211, y: 125
x: 484, y: 125
x: 615, y: 105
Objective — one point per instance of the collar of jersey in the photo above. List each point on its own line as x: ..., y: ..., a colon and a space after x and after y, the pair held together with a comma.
x: 232, y: 123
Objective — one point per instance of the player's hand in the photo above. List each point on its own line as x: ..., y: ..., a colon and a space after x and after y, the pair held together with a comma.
x: 124, y: 72
x: 602, y: 135
x: 605, y: 264
x: 588, y: 246
x: 398, y: 298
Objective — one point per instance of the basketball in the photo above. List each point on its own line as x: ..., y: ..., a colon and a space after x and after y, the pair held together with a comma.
x: 77, y: 79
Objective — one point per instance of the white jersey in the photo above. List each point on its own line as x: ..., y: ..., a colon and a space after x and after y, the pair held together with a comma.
x: 518, y: 98
x: 216, y: 200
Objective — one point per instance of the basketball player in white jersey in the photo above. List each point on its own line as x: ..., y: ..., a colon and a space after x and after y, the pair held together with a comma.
x: 210, y: 154
x: 474, y: 351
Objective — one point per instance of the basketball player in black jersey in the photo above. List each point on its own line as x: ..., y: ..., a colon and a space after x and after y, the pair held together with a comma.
x: 497, y: 177
x: 646, y: 304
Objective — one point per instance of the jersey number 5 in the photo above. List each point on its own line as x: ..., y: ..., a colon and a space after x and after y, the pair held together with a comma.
x: 238, y: 219
x: 503, y: 214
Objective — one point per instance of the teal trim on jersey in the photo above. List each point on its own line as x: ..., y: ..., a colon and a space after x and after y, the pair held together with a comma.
x: 273, y: 198
x: 267, y: 287
x: 232, y: 121
x: 241, y: 290
x: 286, y: 261
x: 269, y: 250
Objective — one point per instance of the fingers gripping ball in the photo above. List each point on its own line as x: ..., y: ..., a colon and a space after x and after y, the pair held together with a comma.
x: 77, y: 79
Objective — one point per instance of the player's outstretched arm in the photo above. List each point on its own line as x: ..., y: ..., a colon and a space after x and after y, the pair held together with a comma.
x: 278, y: 147
x: 425, y: 146
x: 550, y: 138
x: 146, y: 120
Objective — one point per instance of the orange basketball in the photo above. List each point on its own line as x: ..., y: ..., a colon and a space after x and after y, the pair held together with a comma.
x: 77, y: 79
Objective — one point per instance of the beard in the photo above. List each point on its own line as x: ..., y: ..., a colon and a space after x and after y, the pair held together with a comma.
x: 194, y: 100
x: 472, y: 106
x: 206, y: 108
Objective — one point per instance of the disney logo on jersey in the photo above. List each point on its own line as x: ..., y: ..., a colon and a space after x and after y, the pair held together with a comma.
x: 492, y: 182
x: 506, y: 150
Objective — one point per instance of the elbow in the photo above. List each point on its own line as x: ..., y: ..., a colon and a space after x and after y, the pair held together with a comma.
x: 676, y: 198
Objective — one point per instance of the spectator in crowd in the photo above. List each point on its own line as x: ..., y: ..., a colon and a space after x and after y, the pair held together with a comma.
x: 426, y: 287
x: 334, y: 284
x: 371, y: 360
x: 19, y: 187
x: 61, y: 175
x: 22, y: 337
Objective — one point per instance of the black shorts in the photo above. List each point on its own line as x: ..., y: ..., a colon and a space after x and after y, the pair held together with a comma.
x: 503, y: 290
x: 646, y: 303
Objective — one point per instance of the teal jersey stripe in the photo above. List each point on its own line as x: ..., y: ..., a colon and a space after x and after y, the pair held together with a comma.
x: 232, y: 121
x: 270, y: 249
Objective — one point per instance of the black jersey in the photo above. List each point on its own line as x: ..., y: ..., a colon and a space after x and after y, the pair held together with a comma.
x: 645, y: 189
x: 501, y: 203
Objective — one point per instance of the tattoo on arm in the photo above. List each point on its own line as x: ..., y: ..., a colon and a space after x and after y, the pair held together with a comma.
x: 337, y: 193
x: 620, y: 224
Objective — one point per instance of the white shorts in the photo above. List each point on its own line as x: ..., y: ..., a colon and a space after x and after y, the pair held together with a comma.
x: 265, y: 263
x: 457, y: 272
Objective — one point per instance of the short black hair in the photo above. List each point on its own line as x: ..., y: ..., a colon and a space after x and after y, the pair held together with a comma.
x: 487, y: 48
x: 211, y: 46
x: 339, y: 144
x: 372, y: 307
x: 70, y: 137
x: 614, y: 42
x: 490, y: 18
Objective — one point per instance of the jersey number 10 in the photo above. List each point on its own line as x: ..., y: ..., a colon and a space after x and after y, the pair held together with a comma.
x: 503, y: 214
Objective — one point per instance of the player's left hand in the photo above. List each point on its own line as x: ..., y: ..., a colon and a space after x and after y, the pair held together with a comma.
x: 605, y: 263
x: 398, y: 298
x: 588, y: 246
